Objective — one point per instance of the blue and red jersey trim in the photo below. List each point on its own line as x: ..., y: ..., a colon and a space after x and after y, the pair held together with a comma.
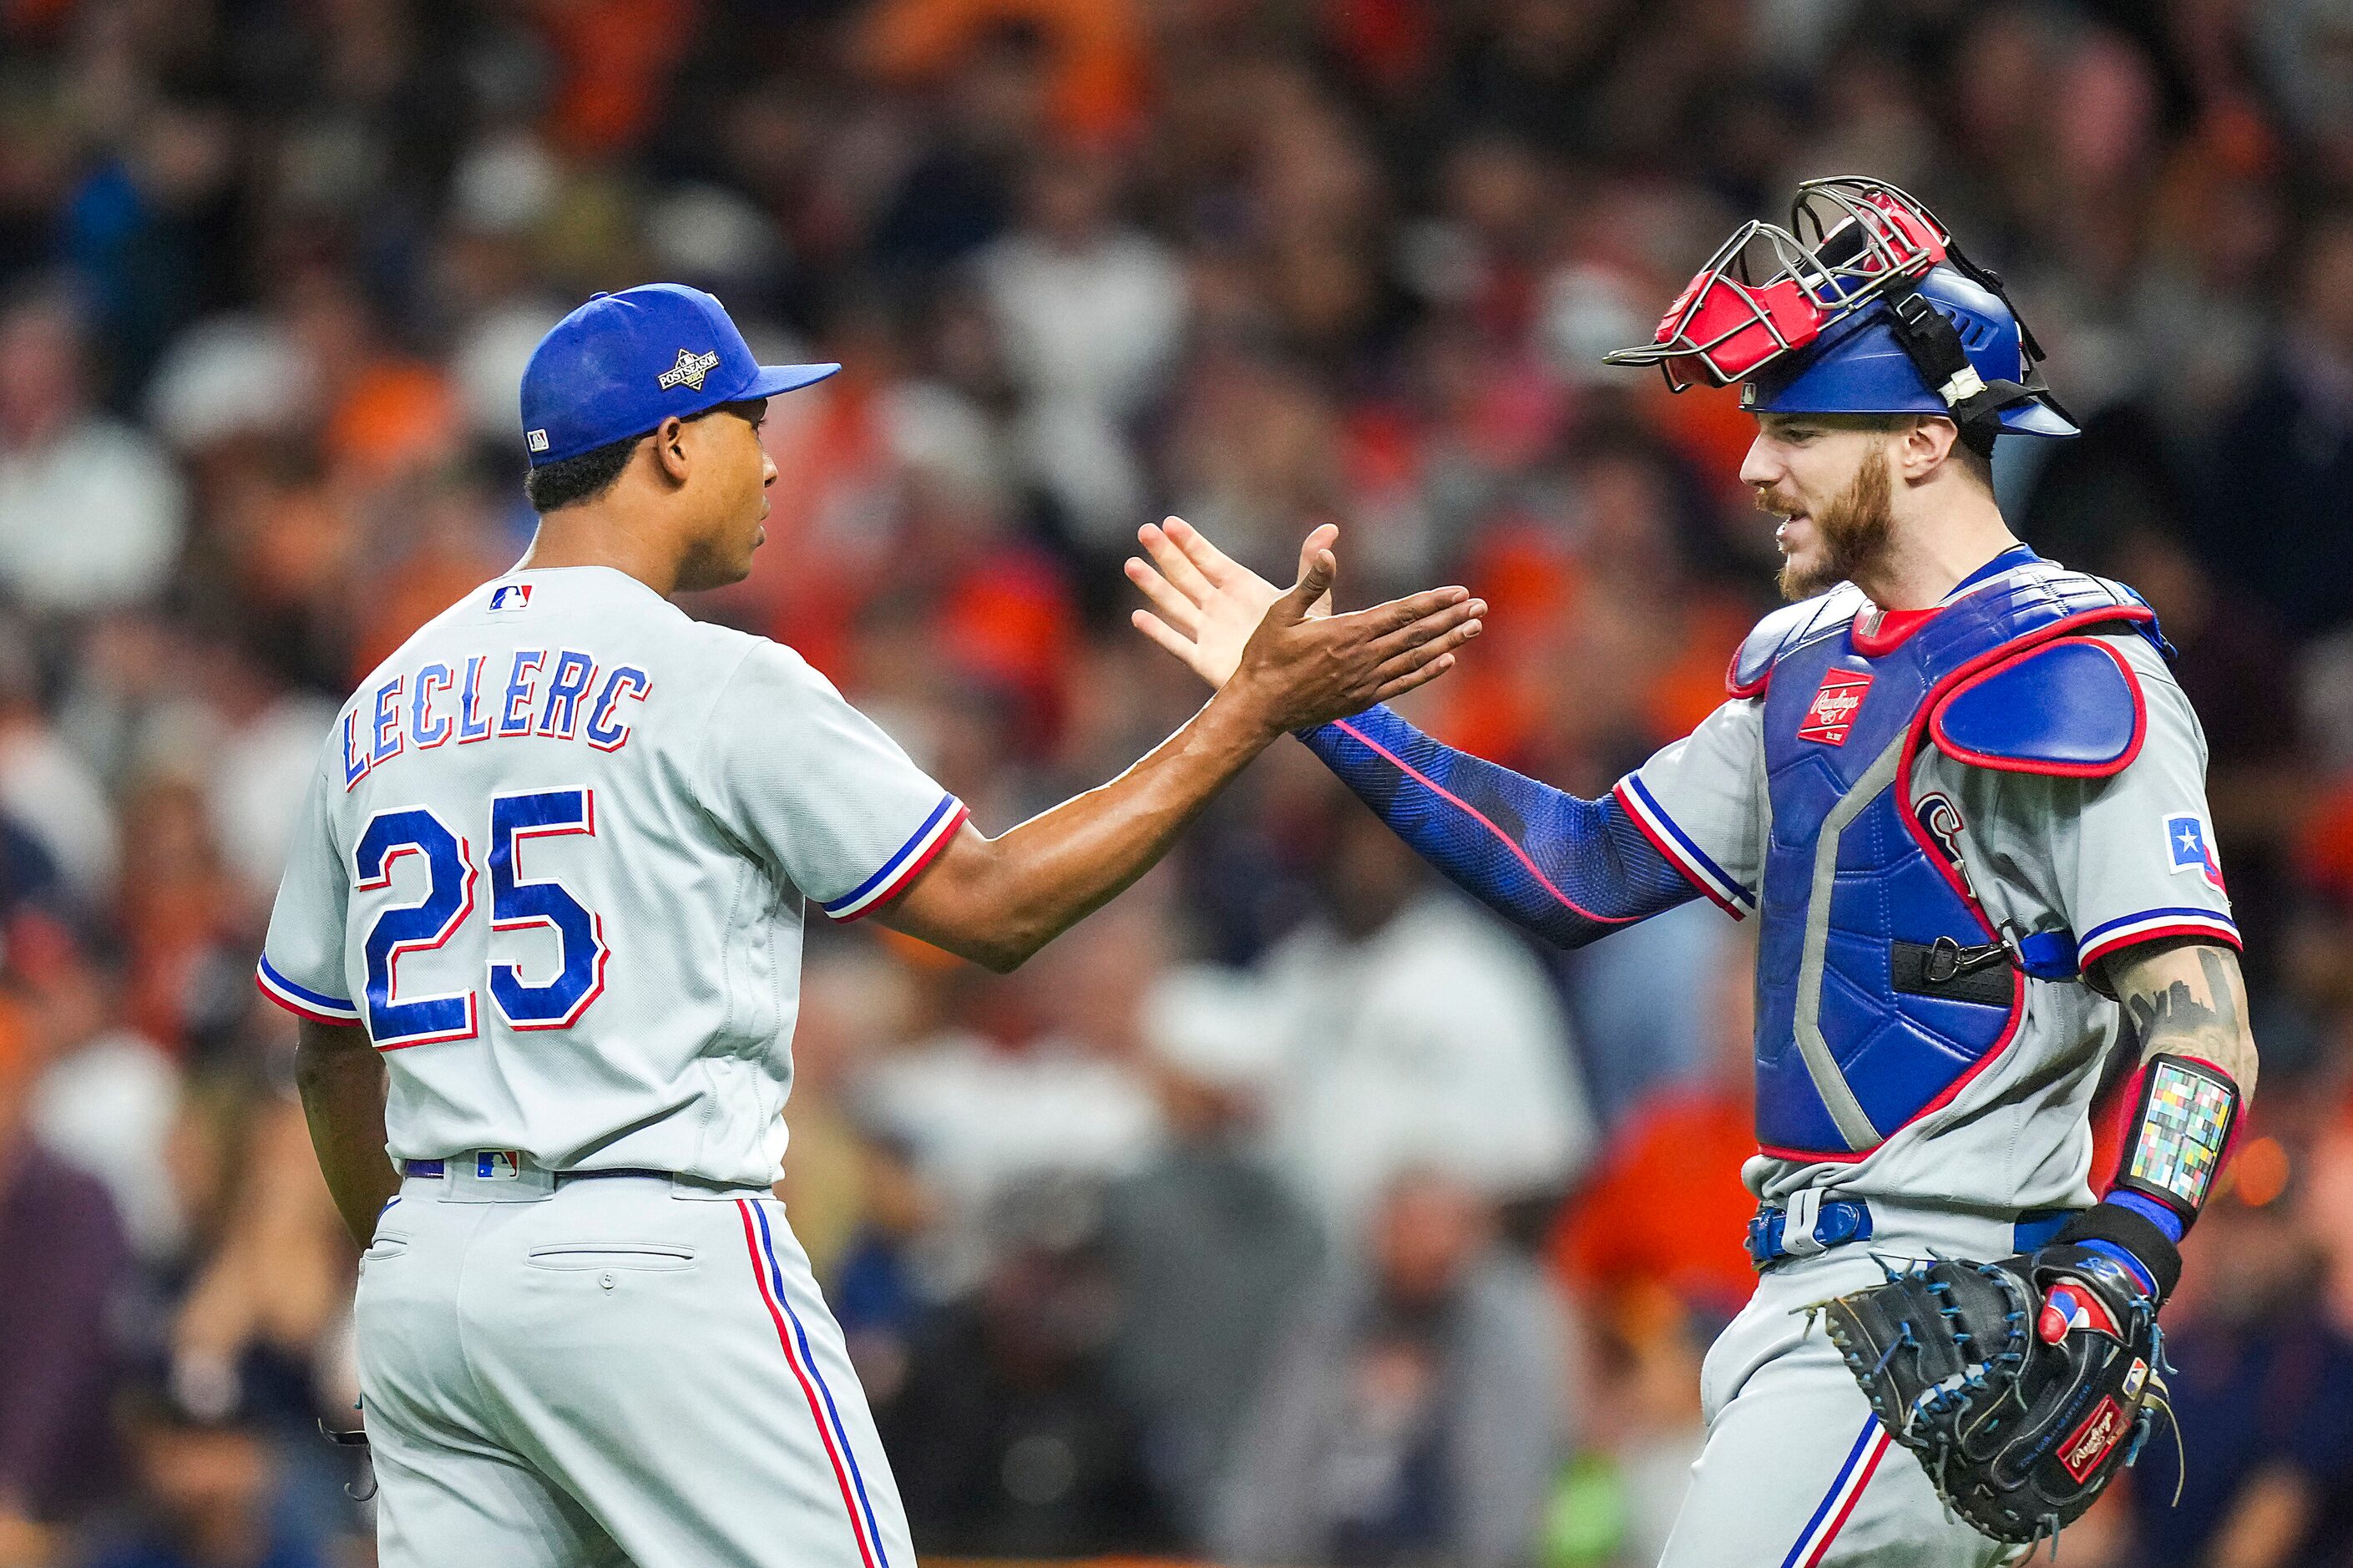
x: 301, y: 1000
x: 1682, y: 852
x: 793, y: 1336
x: 904, y: 866
x: 2150, y: 925
x: 1838, y: 1503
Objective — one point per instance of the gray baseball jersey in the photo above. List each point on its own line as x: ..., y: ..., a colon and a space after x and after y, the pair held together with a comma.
x: 2118, y: 860
x: 556, y: 860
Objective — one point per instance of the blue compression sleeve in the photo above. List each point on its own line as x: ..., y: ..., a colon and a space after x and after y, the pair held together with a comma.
x: 1569, y: 869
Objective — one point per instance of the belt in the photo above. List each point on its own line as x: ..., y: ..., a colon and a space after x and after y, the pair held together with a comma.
x: 1814, y: 1224
x: 1820, y: 1224
x: 486, y: 1166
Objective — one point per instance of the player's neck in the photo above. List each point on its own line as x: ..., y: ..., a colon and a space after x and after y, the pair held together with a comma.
x: 1935, y: 549
x: 603, y: 534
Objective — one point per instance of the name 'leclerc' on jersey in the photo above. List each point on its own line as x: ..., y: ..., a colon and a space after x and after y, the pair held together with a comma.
x: 564, y: 694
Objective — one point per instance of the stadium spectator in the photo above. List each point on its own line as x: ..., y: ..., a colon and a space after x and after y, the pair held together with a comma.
x: 1414, y: 1412
x: 92, y: 512
x: 1208, y: 1249
x: 1006, y: 1435
x: 210, y: 1493
x: 63, y: 1254
x: 1414, y: 1033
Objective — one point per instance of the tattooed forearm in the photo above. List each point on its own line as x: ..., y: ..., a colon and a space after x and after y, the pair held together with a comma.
x: 2190, y: 1000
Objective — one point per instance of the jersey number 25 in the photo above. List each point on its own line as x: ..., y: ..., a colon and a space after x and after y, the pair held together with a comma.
x: 448, y: 902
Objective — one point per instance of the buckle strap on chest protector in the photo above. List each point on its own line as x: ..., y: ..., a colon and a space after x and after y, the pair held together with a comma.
x: 2047, y: 954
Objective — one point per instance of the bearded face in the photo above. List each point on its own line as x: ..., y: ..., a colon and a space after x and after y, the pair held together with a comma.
x: 1829, y: 478
x: 1850, y: 530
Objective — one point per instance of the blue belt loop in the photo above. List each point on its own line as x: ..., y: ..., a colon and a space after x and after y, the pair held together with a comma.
x: 422, y: 1168
x: 1839, y: 1221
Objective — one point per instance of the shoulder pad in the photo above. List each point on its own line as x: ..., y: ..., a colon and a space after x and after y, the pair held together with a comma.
x: 2071, y: 707
x: 1785, y: 628
x: 2079, y: 593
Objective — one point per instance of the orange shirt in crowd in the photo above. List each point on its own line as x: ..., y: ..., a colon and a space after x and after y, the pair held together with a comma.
x: 1096, y: 93
x: 1667, y: 1207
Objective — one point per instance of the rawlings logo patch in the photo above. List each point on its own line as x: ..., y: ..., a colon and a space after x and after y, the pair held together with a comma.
x: 1831, y: 713
x: 2089, y: 1444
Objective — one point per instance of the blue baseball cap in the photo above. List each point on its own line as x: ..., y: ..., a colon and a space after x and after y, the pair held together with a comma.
x: 622, y: 364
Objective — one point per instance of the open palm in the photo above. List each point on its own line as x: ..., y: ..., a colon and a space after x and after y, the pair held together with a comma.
x: 1205, y: 604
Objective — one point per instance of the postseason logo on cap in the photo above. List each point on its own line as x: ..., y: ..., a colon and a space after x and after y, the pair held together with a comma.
x: 689, y: 371
x: 614, y: 368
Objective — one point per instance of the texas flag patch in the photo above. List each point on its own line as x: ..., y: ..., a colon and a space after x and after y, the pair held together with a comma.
x: 2192, y: 848
x: 1831, y: 713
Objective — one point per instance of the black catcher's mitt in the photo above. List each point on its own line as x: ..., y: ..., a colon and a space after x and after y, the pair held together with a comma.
x: 2023, y: 1385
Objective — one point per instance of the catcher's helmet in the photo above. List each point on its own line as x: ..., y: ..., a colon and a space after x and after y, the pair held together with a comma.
x: 1876, y: 311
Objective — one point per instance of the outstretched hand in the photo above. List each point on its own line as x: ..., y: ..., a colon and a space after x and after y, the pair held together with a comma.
x: 1205, y: 604
x: 1284, y: 655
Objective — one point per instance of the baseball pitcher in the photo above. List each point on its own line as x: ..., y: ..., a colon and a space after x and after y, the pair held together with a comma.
x: 1959, y: 789
x: 549, y: 889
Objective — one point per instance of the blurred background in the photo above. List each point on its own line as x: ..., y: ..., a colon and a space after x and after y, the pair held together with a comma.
x: 1291, y: 1210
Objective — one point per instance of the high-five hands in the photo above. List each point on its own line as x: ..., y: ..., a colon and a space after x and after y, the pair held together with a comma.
x: 1290, y: 655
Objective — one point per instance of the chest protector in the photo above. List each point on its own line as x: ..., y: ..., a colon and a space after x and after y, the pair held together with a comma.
x: 1882, y: 986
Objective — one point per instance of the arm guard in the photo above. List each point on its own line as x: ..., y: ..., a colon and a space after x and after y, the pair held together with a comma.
x: 1566, y: 869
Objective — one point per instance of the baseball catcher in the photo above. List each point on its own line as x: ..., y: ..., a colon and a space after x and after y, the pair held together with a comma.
x: 1959, y: 787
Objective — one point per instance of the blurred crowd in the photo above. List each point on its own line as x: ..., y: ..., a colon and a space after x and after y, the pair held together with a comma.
x: 1291, y: 1210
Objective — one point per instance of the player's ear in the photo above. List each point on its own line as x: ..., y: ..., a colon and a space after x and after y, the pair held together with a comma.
x: 1927, y: 441
x: 669, y: 448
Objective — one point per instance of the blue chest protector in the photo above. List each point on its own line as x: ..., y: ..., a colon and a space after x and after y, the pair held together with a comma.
x: 1881, y: 986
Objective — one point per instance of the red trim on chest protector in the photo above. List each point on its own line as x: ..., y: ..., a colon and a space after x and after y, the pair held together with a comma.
x: 1873, y: 638
x: 1962, y: 754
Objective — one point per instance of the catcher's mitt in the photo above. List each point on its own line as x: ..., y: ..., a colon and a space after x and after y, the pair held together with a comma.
x: 2023, y: 1385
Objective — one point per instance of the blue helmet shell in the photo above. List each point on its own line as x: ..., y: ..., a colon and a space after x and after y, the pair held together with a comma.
x: 1858, y: 367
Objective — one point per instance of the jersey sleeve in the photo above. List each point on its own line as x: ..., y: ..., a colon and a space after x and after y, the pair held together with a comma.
x: 2144, y: 865
x: 1701, y: 804
x: 817, y: 790
x: 301, y: 966
x: 1569, y: 869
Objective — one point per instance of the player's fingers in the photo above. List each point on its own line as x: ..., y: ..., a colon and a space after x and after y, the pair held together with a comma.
x: 1182, y: 575
x: 1175, y: 608
x: 1429, y: 628
x: 1315, y: 581
x: 1414, y: 657
x: 1211, y: 562
x: 1160, y: 632
x: 1381, y: 619
x: 1325, y: 536
x: 1422, y: 676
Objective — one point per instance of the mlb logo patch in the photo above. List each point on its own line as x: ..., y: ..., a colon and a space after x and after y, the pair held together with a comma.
x: 498, y: 1164
x: 511, y: 597
x: 2191, y: 847
x: 1831, y: 713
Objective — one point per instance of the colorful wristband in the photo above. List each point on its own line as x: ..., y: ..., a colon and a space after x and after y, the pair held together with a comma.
x: 2175, y: 1143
